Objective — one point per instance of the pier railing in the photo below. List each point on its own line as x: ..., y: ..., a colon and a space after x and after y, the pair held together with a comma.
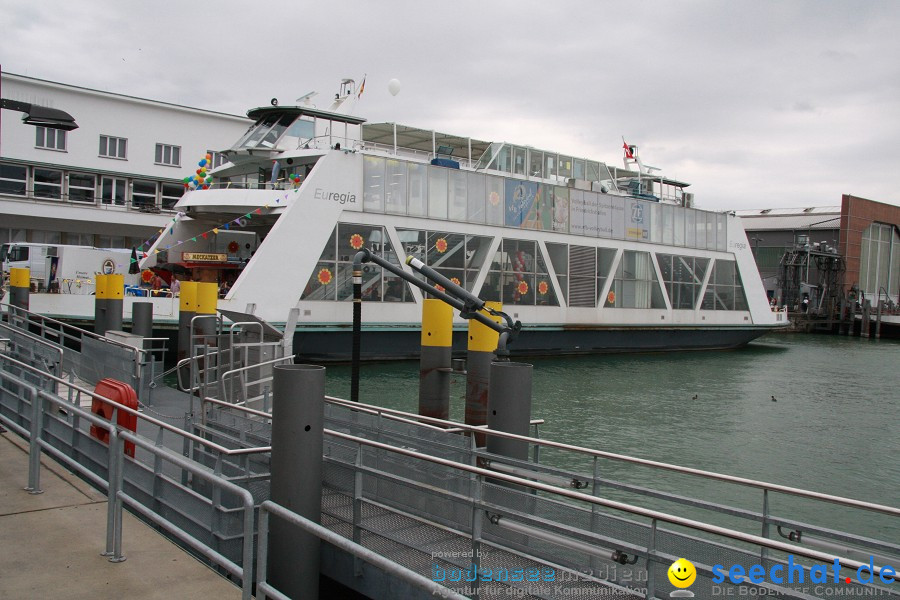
x: 400, y: 485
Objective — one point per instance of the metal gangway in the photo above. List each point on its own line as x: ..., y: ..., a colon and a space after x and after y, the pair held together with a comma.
x: 412, y: 507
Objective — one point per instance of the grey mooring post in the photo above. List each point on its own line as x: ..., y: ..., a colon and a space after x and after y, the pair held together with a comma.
x: 115, y: 299
x: 298, y: 416
x: 509, y: 407
x: 435, y: 359
x: 142, y: 319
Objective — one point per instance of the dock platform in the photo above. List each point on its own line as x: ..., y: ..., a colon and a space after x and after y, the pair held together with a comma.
x: 52, y: 543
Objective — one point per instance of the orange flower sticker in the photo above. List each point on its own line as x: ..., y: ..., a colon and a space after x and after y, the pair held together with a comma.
x: 542, y: 288
x: 495, y: 198
x: 439, y: 287
x: 146, y: 275
x: 324, y: 276
x: 441, y: 245
x: 455, y: 280
x: 522, y: 288
x: 356, y: 241
x: 611, y: 297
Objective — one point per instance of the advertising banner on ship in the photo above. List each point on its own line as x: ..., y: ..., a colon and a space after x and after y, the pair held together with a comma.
x: 560, y: 209
x: 576, y: 212
x: 604, y: 217
x: 529, y: 205
x: 591, y: 209
x: 637, y: 220
x: 617, y: 217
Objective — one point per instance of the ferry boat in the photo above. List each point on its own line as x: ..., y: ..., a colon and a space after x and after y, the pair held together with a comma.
x: 589, y: 257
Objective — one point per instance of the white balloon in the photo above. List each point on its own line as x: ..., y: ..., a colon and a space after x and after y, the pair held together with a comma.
x: 394, y: 87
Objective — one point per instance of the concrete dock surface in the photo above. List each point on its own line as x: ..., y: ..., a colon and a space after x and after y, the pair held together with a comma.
x: 50, y: 543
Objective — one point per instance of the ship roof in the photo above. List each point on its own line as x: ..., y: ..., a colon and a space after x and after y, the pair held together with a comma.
x: 422, y: 139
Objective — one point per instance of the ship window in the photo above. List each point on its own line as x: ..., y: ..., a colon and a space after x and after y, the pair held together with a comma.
x: 418, y: 189
x: 700, y: 222
x: 518, y: 276
x: 725, y: 290
x: 218, y: 159
x: 332, y: 277
x: 171, y: 194
x: 535, y: 158
x: 545, y: 294
x: 476, y: 198
x: 13, y: 179
x: 682, y: 277
x: 113, y: 147
x: 454, y: 255
x: 550, y: 166
x: 518, y: 160
x: 82, y: 187
x: 112, y: 191
x: 143, y: 193
x: 395, y: 187
x: 50, y: 139
x: 168, y: 155
x: 477, y: 248
x: 721, y: 229
x: 605, y: 259
x: 565, y: 166
x: 635, y: 284
x: 690, y: 228
x: 503, y: 159
x: 582, y: 276
x: 47, y: 183
x: 495, y: 200
x: 710, y: 231
x: 668, y: 216
x: 373, y: 184
x: 457, y: 195
x: 578, y: 171
x: 437, y: 192
x: 593, y: 171
x: 559, y: 258
x: 656, y: 220
x: 678, y: 226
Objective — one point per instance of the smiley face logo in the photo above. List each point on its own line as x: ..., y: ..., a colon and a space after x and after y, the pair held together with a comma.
x: 682, y: 573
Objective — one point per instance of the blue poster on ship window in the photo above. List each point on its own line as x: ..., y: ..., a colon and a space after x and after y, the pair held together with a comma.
x: 520, y: 200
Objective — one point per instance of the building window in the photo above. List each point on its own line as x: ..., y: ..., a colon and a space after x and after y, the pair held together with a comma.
x: 168, y: 155
x: 171, y: 194
x: 113, y: 191
x: 13, y: 179
x: 113, y: 147
x: 82, y: 187
x: 50, y: 139
x: 879, y: 264
x: 143, y: 194
x: 47, y: 183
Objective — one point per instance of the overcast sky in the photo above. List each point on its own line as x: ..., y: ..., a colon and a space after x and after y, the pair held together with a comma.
x: 758, y: 104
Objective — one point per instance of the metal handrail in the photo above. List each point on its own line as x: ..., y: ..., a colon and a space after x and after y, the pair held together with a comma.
x: 622, y: 506
x: 357, y: 550
x: 138, y: 414
x: 889, y: 510
x: 232, y: 372
x: 62, y: 324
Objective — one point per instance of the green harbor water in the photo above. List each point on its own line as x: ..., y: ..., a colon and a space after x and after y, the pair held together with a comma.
x: 832, y: 428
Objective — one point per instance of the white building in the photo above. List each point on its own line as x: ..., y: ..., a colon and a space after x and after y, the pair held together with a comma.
x: 110, y: 183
